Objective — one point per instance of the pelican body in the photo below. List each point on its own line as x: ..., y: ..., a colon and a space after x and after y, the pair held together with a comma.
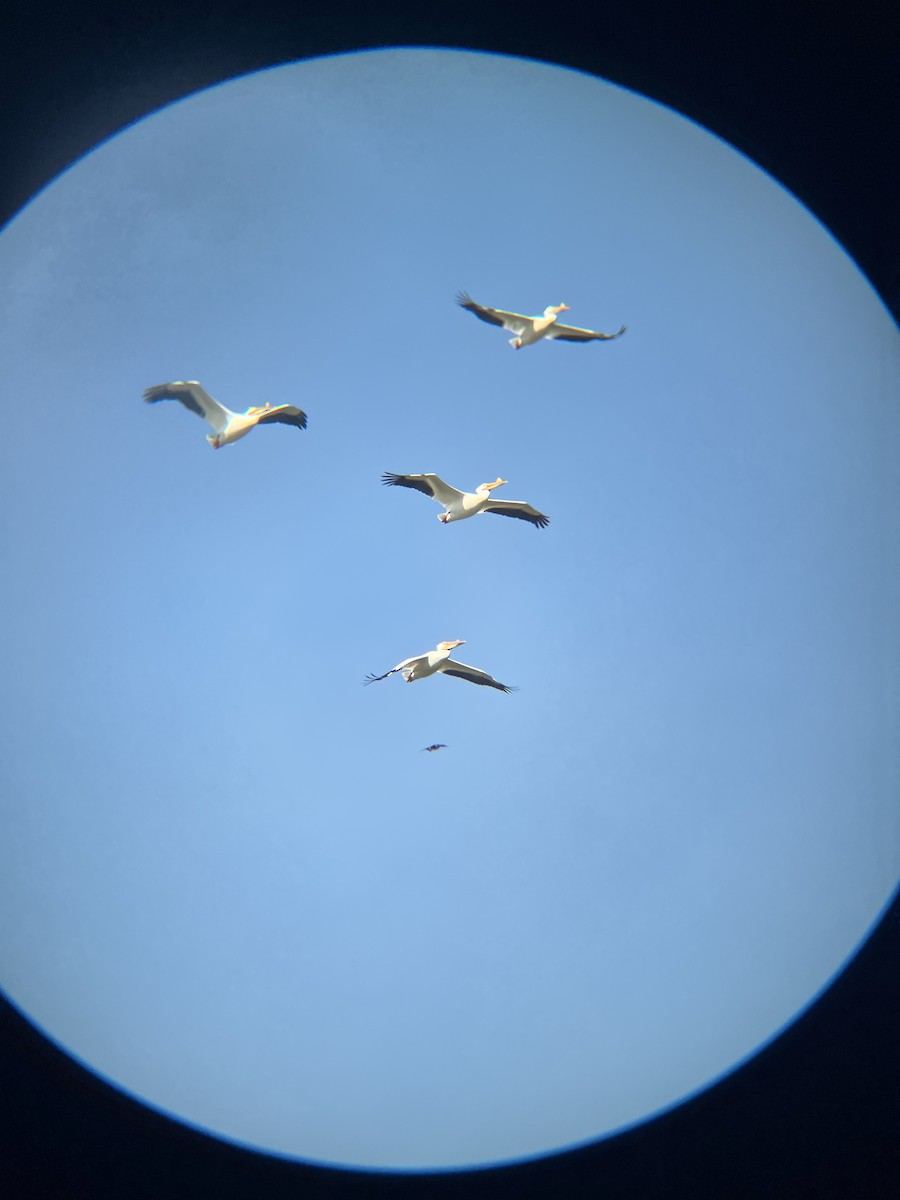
x: 528, y: 330
x: 227, y: 426
x: 433, y: 661
x: 459, y: 505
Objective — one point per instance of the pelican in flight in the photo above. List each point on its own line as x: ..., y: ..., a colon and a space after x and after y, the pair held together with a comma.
x: 228, y: 426
x: 436, y: 746
x: 459, y: 505
x: 436, y: 660
x: 529, y: 330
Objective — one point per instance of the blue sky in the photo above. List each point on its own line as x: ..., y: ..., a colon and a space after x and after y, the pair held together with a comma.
x: 229, y: 879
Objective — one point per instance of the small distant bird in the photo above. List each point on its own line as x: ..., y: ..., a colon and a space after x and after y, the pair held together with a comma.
x: 228, y: 426
x: 436, y: 660
x: 458, y: 505
x: 436, y: 746
x: 528, y: 330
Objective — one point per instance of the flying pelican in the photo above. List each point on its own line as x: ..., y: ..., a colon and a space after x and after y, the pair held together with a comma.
x: 459, y: 505
x: 528, y: 330
x: 436, y: 746
x: 436, y: 660
x: 228, y: 425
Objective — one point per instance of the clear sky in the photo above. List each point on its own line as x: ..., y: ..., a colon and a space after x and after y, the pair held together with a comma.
x: 230, y: 880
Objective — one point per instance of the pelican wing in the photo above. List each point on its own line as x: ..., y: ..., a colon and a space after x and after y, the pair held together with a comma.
x: 473, y: 675
x: 284, y: 414
x: 194, y: 397
x: 407, y: 662
x: 569, y: 333
x: 518, y: 508
x: 431, y: 485
x: 515, y: 322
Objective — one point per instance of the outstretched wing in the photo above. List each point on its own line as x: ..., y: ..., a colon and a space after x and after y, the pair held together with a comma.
x: 569, y: 333
x: 436, y: 746
x: 473, y: 675
x: 515, y: 322
x: 194, y: 397
x: 407, y: 662
x: 431, y: 485
x: 284, y: 414
x: 518, y: 508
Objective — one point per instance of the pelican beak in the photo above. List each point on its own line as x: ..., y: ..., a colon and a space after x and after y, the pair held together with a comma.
x: 498, y: 483
x: 461, y: 642
x: 563, y: 308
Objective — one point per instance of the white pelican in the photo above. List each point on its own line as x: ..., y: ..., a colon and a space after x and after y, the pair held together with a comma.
x: 436, y: 660
x: 228, y: 425
x: 459, y: 505
x: 528, y: 330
